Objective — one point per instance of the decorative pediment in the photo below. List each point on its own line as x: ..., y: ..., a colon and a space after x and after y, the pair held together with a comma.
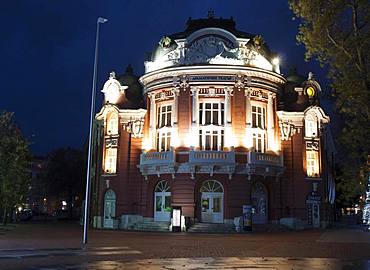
x: 133, y: 121
x: 290, y: 123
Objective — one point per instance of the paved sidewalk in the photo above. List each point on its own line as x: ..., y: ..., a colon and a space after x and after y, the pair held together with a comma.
x: 59, y: 244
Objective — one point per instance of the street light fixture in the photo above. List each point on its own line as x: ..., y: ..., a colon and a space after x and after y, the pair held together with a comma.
x: 92, y: 112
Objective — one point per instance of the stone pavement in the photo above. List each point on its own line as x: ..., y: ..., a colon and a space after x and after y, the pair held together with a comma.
x: 58, y: 246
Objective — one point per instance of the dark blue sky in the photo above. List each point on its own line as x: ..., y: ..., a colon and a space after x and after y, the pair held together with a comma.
x: 47, y: 50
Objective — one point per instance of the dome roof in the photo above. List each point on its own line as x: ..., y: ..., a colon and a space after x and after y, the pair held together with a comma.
x: 134, y: 92
x: 211, y: 41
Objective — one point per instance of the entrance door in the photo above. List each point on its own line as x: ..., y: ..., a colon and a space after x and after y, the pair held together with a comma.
x: 162, y: 202
x: 109, y: 209
x: 259, y: 203
x: 212, y: 202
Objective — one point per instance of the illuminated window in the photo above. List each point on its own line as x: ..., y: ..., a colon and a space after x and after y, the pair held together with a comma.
x: 259, y: 127
x: 163, y: 140
x: 211, y: 113
x: 211, y: 121
x: 312, y: 161
x: 259, y: 142
x: 211, y: 139
x: 110, y: 163
x: 164, y: 116
x: 112, y: 124
x: 164, y: 127
x: 310, y: 126
x: 258, y: 117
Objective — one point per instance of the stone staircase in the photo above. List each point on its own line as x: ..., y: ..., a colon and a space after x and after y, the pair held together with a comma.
x: 152, y: 226
x: 212, y: 228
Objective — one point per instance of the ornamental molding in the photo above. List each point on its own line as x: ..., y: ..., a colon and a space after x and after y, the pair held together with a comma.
x: 106, y: 109
x: 319, y: 113
x: 133, y: 121
x: 287, y: 130
x: 290, y: 123
x: 175, y: 76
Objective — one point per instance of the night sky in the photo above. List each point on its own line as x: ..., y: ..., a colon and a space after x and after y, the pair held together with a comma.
x: 47, y: 53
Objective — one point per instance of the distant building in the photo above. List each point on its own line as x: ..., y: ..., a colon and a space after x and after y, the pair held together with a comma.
x: 221, y: 127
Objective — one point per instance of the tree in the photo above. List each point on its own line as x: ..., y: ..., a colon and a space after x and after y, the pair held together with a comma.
x: 14, y: 165
x: 64, y: 175
x: 337, y: 34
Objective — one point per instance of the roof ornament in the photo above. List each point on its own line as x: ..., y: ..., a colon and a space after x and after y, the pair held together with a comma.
x: 112, y: 75
x: 211, y: 14
x: 165, y: 42
x: 311, y: 76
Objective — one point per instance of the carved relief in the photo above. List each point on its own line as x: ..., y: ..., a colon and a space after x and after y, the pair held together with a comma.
x: 287, y: 130
x: 210, y: 48
x: 135, y: 127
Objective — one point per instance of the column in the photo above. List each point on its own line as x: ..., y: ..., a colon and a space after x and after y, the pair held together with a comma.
x: 229, y: 138
x: 194, y: 117
x: 248, y: 118
x: 175, y: 140
x: 270, y: 122
x: 152, y: 126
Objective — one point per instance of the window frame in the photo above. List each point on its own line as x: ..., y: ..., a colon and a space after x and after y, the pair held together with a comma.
x: 164, y: 131
x: 211, y: 134
x: 112, y: 123
x: 110, y: 160
x: 258, y: 125
x: 311, y: 126
x: 312, y: 163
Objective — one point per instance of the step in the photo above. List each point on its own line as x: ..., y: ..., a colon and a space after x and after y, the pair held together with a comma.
x: 151, y: 226
x: 212, y: 228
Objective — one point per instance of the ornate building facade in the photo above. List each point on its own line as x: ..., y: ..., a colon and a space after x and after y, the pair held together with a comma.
x: 220, y: 127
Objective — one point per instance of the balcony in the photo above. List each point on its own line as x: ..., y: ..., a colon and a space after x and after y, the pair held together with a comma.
x: 264, y: 159
x: 212, y: 157
x: 157, y: 158
x: 265, y: 164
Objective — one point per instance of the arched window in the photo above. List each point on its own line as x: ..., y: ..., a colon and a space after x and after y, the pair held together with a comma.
x: 211, y: 186
x: 112, y: 124
x: 311, y: 126
x: 162, y: 186
x: 162, y: 202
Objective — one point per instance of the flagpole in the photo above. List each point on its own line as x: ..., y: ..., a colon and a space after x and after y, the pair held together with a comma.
x: 92, y: 112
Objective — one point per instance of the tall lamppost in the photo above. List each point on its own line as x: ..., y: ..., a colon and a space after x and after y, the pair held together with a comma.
x: 92, y: 113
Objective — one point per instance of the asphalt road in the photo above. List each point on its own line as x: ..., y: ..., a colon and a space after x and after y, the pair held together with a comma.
x: 58, y: 246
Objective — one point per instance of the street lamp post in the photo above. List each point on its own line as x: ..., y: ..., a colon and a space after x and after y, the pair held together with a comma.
x: 92, y: 112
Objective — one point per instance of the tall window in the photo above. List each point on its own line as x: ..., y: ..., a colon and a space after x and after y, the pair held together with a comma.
x: 310, y: 126
x: 259, y: 142
x: 211, y: 121
x: 110, y: 164
x: 164, y: 116
x: 112, y: 124
x: 211, y: 113
x: 164, y: 127
x: 259, y: 117
x: 259, y: 128
x: 312, y: 163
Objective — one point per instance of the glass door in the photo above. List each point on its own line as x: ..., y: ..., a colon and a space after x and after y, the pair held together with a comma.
x: 162, y: 206
x: 212, y: 209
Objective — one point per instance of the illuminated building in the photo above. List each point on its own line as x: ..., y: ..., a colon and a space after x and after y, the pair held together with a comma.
x: 222, y: 128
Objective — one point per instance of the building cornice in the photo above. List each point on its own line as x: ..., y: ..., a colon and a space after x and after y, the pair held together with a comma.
x: 165, y: 77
